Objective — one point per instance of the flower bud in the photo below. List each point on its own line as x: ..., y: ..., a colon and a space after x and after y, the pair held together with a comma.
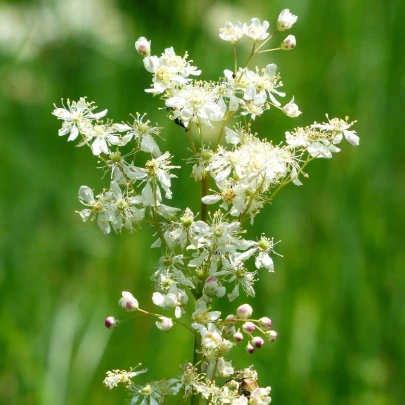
x: 231, y: 318
x: 228, y: 331
x: 265, y: 323
x: 170, y: 300
x: 238, y: 336
x: 244, y: 311
x: 248, y: 327
x: 142, y: 46
x: 164, y: 323
x: 225, y: 346
x: 214, y: 289
x: 271, y: 335
x: 257, y: 342
x: 249, y: 348
x: 289, y: 43
x: 111, y: 322
x: 286, y: 20
x: 128, y: 302
x: 291, y: 109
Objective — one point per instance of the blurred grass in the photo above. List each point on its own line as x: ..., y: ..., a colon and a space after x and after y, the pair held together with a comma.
x: 337, y: 297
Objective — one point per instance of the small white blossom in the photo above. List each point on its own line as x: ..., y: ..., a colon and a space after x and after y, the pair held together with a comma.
x: 116, y: 377
x: 260, y: 396
x: 256, y: 31
x: 291, y: 109
x: 231, y: 33
x: 75, y: 115
x: 169, y: 71
x: 286, y: 20
x: 338, y: 128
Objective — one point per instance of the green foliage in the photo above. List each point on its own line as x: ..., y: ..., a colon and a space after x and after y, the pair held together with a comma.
x: 337, y: 296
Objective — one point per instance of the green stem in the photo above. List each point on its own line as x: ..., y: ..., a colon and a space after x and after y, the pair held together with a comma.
x: 197, y: 358
x: 204, y: 192
x: 155, y: 214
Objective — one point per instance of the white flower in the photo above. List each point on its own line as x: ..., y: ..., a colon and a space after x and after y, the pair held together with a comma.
x: 338, y: 128
x: 102, y: 136
x: 224, y: 368
x: 143, y: 131
x: 201, y: 316
x: 155, y: 170
x: 240, y: 401
x: 150, y: 394
x: 164, y: 323
x: 211, y: 337
x: 74, y: 115
x: 169, y: 71
x: 289, y: 43
x: 116, y: 377
x: 125, y: 212
x: 231, y: 33
x: 196, y: 103
x: 256, y: 31
x: 286, y: 20
x: 260, y: 396
x: 142, y: 46
x: 291, y: 109
x: 175, y: 299
x: 128, y: 302
x: 100, y: 208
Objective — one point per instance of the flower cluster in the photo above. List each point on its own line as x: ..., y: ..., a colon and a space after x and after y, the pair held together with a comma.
x: 205, y: 256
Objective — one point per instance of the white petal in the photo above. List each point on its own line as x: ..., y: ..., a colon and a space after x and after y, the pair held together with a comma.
x: 86, y: 194
x: 74, y: 132
x: 122, y: 127
x: 97, y: 115
x: 157, y: 298
x: 210, y: 199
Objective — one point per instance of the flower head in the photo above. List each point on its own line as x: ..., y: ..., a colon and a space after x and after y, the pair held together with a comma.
x: 231, y: 33
x: 256, y: 31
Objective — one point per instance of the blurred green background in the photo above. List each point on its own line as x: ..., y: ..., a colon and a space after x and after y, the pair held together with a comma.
x: 337, y: 298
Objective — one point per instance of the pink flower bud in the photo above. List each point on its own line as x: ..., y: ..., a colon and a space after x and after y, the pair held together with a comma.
x: 271, y: 335
x: 111, y: 322
x: 244, y: 311
x: 128, y: 302
x: 142, y: 46
x: 291, y: 109
x: 164, y: 323
x: 238, y: 336
x: 213, y: 288
x: 249, y: 348
x: 257, y: 342
x: 289, y: 43
x: 265, y: 323
x: 248, y: 327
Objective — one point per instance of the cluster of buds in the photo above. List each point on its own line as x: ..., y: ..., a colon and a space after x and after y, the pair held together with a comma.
x: 130, y: 304
x: 249, y: 327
